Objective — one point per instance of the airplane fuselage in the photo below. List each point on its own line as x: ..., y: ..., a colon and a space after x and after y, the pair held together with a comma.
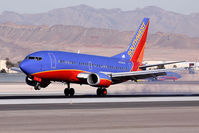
x: 65, y: 66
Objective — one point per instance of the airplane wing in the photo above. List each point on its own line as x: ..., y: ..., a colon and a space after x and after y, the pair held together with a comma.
x: 160, y: 64
x: 122, y: 76
x: 16, y: 69
x: 135, y: 75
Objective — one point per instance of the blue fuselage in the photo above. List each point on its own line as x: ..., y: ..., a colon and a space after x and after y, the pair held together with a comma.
x: 44, y: 61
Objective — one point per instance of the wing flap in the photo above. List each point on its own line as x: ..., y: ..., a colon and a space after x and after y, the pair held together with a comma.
x: 138, y: 74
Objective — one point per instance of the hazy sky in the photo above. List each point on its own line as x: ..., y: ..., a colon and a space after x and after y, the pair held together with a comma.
x: 37, y: 6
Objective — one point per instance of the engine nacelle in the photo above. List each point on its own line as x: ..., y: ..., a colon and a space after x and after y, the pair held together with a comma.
x: 99, y: 80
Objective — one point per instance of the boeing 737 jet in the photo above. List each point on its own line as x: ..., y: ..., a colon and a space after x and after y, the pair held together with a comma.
x: 44, y: 67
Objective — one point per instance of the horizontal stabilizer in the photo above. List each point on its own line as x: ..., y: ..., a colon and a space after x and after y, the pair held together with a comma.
x: 160, y: 64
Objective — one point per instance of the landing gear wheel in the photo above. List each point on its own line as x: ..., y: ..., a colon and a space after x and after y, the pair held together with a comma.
x: 37, y: 86
x: 66, y: 92
x: 71, y: 92
x: 101, y: 92
x: 104, y: 92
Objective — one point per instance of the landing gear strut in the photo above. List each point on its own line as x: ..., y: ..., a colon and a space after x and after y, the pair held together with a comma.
x: 101, y: 91
x: 37, y: 86
x: 69, y: 91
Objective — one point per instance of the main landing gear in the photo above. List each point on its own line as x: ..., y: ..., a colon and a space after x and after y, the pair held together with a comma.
x: 101, y: 91
x: 69, y: 91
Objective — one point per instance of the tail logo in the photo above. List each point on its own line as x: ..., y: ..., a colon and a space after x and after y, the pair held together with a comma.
x: 136, y: 40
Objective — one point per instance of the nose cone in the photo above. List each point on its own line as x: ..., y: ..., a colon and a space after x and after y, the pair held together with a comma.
x: 24, y: 66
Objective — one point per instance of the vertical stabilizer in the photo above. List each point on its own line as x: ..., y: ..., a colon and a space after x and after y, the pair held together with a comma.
x: 135, y: 51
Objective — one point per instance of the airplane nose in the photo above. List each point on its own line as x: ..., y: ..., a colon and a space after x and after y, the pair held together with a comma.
x: 24, y: 66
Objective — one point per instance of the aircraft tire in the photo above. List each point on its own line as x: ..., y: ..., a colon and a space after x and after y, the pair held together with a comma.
x: 71, y: 92
x: 104, y: 92
x: 37, y: 86
x: 66, y: 91
x: 99, y: 92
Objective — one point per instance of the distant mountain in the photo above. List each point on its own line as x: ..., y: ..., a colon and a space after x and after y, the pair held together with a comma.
x: 16, y: 41
x: 161, y: 20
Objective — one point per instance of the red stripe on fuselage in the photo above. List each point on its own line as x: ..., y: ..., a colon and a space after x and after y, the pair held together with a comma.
x: 60, y: 75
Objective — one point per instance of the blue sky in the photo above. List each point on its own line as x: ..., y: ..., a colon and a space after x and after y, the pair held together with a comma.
x: 37, y: 6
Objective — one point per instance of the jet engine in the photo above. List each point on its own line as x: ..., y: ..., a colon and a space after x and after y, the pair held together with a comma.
x: 99, y: 80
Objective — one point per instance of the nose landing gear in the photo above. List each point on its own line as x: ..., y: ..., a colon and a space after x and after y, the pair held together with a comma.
x: 37, y: 86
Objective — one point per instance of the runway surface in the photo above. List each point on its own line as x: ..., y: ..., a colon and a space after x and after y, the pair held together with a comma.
x: 23, y: 101
x: 52, y: 112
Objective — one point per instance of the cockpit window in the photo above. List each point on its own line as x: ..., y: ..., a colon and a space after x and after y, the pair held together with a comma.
x: 34, y: 58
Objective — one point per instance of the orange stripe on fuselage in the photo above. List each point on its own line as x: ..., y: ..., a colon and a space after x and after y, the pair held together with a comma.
x: 67, y: 75
x: 60, y: 75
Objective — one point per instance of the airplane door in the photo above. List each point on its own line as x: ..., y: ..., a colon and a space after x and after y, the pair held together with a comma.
x: 90, y: 65
x: 53, y: 60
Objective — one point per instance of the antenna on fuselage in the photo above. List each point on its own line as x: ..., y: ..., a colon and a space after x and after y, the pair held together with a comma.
x: 78, y: 51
